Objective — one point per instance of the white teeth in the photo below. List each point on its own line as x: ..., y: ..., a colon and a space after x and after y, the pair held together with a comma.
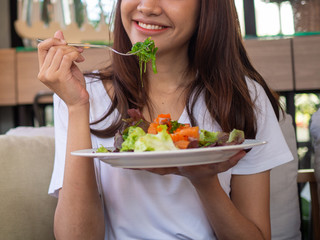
x: 149, y: 26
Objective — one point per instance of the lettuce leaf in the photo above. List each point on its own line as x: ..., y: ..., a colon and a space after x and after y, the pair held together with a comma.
x: 134, y: 133
x: 155, y: 142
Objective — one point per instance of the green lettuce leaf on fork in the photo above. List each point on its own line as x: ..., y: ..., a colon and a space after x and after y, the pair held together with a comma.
x: 145, y: 51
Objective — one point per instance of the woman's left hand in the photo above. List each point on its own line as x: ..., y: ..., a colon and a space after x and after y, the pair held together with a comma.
x: 200, y: 173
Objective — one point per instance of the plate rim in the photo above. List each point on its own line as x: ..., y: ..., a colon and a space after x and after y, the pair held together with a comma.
x: 248, y: 143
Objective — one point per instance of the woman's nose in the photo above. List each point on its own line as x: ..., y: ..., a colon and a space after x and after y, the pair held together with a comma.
x: 150, y: 7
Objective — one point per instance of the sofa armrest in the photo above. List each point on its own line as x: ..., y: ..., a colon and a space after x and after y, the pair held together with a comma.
x: 26, y: 209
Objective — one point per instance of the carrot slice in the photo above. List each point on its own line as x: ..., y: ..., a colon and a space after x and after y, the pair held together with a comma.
x: 153, y: 128
x: 164, y: 115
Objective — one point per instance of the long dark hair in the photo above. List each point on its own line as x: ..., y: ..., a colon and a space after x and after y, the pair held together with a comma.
x: 216, y: 53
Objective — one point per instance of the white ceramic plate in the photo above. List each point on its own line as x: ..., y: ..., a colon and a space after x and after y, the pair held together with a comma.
x: 186, y: 157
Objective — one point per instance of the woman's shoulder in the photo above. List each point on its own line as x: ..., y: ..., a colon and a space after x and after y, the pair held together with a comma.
x: 257, y: 92
x: 253, y: 86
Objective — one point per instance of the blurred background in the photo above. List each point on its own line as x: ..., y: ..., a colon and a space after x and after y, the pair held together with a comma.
x: 259, y: 20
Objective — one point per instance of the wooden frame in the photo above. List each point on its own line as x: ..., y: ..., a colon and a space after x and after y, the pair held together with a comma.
x: 307, y: 62
x: 273, y: 60
x: 304, y: 176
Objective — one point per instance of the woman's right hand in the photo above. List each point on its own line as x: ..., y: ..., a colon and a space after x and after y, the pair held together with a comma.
x: 59, y: 72
x: 200, y: 175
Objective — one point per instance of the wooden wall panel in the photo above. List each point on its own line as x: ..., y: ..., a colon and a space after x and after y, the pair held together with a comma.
x: 307, y: 62
x: 272, y: 59
x: 7, y: 77
x: 28, y: 84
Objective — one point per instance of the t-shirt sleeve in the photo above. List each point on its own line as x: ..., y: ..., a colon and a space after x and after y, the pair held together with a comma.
x: 276, y: 151
x: 60, y: 128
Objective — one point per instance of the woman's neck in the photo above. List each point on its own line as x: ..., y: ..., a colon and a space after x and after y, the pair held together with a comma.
x: 167, y: 88
x: 172, y: 71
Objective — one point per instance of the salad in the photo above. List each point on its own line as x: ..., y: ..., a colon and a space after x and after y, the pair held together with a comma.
x: 164, y: 134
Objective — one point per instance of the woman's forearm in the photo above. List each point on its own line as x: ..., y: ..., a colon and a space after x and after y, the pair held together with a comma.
x: 79, y: 213
x: 225, y: 219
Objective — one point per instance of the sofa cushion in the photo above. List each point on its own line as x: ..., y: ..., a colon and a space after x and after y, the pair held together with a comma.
x: 31, y: 131
x: 26, y: 209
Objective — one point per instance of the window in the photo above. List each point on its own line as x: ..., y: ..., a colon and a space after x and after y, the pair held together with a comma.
x: 239, y: 6
x: 273, y: 18
x: 93, y: 10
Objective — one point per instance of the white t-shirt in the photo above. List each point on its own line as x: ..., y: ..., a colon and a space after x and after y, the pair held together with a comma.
x: 142, y: 205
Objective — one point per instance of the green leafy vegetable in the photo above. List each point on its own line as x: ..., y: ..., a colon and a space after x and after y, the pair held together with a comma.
x: 146, y: 51
x: 236, y: 136
x: 126, y: 131
x: 207, y: 137
x: 175, y: 125
x: 102, y: 149
x: 134, y: 133
x: 169, y: 135
x: 155, y: 142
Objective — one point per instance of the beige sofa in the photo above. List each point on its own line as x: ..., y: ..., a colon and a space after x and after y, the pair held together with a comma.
x: 26, y: 210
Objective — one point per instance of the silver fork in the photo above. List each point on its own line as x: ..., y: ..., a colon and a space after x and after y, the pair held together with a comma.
x: 96, y: 46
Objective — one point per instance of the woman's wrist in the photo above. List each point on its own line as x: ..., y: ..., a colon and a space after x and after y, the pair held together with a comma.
x: 206, y: 184
x: 72, y: 109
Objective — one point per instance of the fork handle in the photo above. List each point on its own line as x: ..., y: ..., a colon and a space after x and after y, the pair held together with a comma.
x: 93, y: 46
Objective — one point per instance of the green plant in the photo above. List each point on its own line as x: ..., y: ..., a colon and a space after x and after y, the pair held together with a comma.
x: 79, y: 12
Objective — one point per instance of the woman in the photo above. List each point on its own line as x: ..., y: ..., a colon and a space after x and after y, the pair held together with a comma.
x: 204, y: 78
